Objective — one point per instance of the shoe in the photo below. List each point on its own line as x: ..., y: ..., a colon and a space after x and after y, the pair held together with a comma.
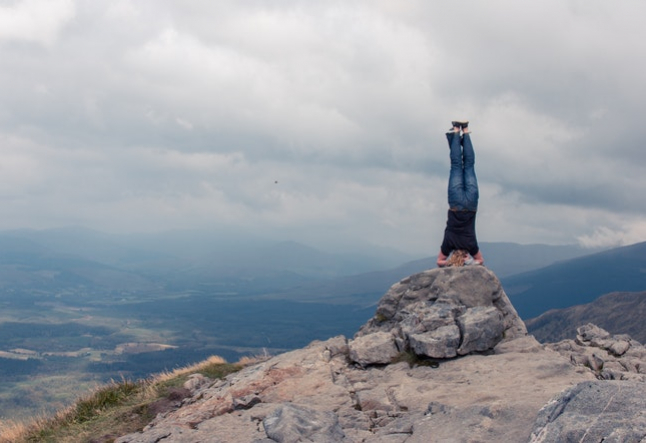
x: 462, y: 124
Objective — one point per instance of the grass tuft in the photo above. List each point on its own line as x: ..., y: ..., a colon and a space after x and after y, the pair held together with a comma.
x: 103, y: 398
x: 115, y: 409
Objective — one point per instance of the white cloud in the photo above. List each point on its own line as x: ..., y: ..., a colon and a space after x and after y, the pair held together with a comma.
x: 188, y: 115
x: 38, y: 21
x: 633, y: 231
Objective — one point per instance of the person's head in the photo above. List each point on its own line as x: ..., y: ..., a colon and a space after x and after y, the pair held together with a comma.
x: 457, y: 258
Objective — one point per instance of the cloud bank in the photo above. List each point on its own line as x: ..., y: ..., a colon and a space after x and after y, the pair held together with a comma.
x: 323, y: 121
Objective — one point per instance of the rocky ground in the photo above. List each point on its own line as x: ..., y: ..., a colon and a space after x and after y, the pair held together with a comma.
x: 420, y: 372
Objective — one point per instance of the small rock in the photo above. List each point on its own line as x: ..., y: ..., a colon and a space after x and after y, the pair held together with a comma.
x: 377, y: 348
x: 619, y: 347
x: 195, y: 381
x: 589, y: 333
x: 246, y: 402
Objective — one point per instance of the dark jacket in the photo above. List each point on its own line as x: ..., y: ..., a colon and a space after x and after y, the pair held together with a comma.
x: 460, y: 233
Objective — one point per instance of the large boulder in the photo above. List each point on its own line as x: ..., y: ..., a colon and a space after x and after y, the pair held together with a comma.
x: 439, y: 314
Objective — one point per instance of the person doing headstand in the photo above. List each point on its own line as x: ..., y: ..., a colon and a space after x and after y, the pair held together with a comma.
x: 460, y: 245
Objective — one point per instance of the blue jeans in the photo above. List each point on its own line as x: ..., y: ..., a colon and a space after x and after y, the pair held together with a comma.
x: 463, y: 184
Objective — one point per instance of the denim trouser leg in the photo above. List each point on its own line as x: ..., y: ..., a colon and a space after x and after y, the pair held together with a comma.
x: 470, y: 180
x: 456, y: 176
x: 463, y: 184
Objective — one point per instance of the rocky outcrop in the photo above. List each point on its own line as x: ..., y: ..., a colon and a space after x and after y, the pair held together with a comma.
x: 439, y: 314
x: 418, y: 372
x: 316, y: 394
x: 610, y: 357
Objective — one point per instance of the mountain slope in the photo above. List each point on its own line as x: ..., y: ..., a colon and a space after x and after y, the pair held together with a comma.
x: 506, y: 259
x: 28, y: 265
x: 365, y: 289
x: 189, y: 259
x: 578, y: 281
x: 617, y: 313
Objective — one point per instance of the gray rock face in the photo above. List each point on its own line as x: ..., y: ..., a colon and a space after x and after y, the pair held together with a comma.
x: 442, y: 313
x: 377, y: 348
x: 292, y: 423
x: 442, y: 342
x: 597, y: 411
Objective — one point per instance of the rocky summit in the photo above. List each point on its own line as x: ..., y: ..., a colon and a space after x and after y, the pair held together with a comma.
x: 445, y: 359
x: 439, y: 314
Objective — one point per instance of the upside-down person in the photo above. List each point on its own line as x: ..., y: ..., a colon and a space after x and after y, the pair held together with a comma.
x: 460, y: 245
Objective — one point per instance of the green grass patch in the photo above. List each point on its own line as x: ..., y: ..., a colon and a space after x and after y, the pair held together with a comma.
x: 110, y: 396
x: 113, y: 410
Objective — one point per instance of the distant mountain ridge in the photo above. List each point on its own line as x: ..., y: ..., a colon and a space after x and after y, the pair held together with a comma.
x: 558, y: 276
x: 507, y: 259
x: 365, y: 289
x: 578, y: 281
x: 175, y: 260
x: 229, y: 263
x: 617, y: 312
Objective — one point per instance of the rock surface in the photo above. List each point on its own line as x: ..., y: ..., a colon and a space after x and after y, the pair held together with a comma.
x: 361, y: 390
x: 291, y: 423
x: 599, y: 411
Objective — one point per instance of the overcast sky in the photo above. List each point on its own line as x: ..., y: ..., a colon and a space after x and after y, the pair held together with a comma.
x: 151, y: 115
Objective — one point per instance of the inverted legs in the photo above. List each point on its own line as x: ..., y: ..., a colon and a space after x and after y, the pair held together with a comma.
x: 463, y: 185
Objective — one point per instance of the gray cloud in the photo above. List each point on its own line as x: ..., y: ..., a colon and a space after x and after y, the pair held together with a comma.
x: 147, y: 115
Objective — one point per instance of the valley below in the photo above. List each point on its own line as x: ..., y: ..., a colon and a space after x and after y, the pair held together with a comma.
x: 54, y: 348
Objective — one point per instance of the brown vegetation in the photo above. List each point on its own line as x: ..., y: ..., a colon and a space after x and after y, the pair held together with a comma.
x: 121, y: 407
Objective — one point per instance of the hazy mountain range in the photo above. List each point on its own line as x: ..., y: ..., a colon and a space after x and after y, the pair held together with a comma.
x: 175, y: 261
x: 619, y: 312
x: 578, y: 281
x: 226, y: 263
x: 536, y: 277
